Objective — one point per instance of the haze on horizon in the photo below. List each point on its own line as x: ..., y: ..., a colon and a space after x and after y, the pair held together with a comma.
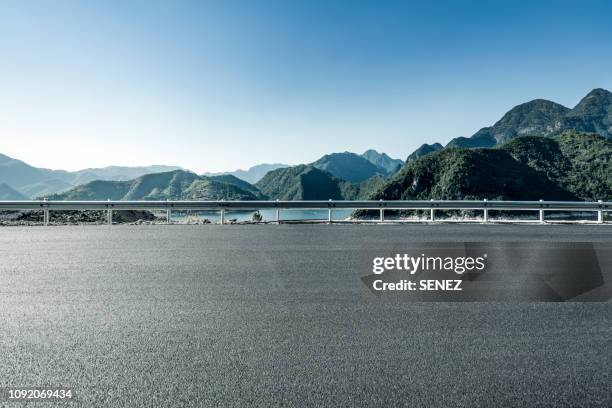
x: 215, y: 86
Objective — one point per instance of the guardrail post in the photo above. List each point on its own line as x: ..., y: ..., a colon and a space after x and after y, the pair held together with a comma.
x: 382, y: 211
x: 486, y: 211
x: 600, y: 214
x: 277, y: 213
x: 109, y: 214
x: 432, y: 213
x: 329, y: 212
x: 168, y: 214
x: 222, y: 216
x: 541, y: 212
x: 46, y: 213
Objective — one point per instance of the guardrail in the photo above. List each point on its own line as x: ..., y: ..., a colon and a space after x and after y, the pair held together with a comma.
x: 381, y: 205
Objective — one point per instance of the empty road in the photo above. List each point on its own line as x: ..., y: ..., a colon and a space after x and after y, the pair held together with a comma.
x: 265, y: 315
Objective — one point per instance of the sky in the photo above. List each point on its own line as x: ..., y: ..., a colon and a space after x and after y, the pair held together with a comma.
x: 221, y: 85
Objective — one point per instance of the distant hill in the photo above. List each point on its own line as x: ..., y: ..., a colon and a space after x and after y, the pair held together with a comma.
x: 36, y: 181
x: 424, y: 150
x: 383, y: 161
x: 348, y: 166
x: 174, y: 185
x: 117, y: 173
x: 541, y: 117
x: 45, y: 187
x: 19, y: 174
x: 570, y: 167
x: 253, y: 174
x: 9, y: 193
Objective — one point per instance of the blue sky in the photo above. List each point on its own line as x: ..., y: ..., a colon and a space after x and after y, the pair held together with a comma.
x: 220, y: 85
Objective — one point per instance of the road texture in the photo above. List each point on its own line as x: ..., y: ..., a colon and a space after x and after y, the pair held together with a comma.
x: 247, y: 315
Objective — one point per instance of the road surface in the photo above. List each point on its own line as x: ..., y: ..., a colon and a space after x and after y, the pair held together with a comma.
x: 247, y: 315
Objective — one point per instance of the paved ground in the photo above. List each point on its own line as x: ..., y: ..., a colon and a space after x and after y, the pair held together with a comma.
x: 277, y: 316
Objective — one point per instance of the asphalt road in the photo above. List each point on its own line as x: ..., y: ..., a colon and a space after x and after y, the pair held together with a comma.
x: 210, y: 315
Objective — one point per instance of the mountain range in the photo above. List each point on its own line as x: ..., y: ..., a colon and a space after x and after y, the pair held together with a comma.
x: 540, y: 117
x: 315, y: 181
x: 173, y: 185
x: 537, y: 150
x: 34, y: 182
x: 347, y: 166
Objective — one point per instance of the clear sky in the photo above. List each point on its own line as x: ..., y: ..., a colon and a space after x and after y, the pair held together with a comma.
x: 220, y: 85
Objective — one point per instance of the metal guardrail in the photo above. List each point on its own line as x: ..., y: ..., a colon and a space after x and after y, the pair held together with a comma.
x: 380, y: 205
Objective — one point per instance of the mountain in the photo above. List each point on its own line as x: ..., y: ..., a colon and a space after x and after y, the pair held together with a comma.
x: 424, y: 150
x: 303, y: 182
x: 18, y: 174
x: 117, y: 173
x: 592, y: 114
x: 45, y: 187
x: 361, y: 191
x: 570, y: 167
x: 237, y: 182
x: 36, y: 181
x: 545, y: 118
x: 253, y: 174
x: 306, y: 182
x: 9, y: 193
x: 383, y: 161
x: 539, y: 117
x: 578, y: 162
x: 174, y: 185
x: 348, y: 166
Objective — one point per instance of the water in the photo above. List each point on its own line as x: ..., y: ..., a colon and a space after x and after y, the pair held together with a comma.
x: 267, y: 215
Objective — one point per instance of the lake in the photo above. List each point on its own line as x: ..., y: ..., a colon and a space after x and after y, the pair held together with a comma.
x: 267, y: 214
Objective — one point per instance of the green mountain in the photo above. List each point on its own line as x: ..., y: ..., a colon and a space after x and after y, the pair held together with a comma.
x: 545, y: 118
x: 303, y: 182
x: 578, y: 162
x: 383, y: 161
x: 361, y: 191
x: 174, y: 185
x: 9, y: 193
x: 539, y: 117
x: 306, y: 182
x: 570, y: 167
x: 424, y: 150
x: 348, y: 166
x: 237, y: 182
x: 592, y: 114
